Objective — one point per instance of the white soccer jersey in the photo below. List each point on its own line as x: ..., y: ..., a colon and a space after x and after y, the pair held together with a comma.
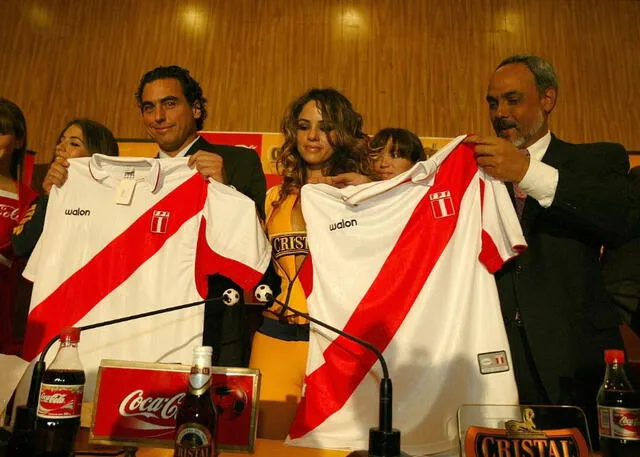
x: 98, y: 260
x: 407, y: 264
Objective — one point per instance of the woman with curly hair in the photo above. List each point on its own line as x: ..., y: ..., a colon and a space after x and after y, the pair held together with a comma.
x: 323, y: 137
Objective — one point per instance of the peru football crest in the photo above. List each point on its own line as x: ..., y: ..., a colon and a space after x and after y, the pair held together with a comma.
x: 442, y: 204
x: 159, y: 221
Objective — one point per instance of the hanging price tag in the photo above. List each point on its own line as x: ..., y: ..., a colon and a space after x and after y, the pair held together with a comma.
x: 124, y: 191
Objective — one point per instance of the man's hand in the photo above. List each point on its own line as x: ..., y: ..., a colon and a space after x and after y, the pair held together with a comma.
x: 56, y: 174
x: 341, y: 180
x: 499, y: 158
x: 209, y: 165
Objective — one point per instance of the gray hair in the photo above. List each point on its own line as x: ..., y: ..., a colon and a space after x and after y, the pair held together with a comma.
x: 543, y: 72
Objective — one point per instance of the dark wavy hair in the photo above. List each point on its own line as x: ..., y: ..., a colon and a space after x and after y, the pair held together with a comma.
x: 403, y: 143
x: 97, y: 138
x: 348, y: 140
x: 190, y: 87
x: 12, y: 121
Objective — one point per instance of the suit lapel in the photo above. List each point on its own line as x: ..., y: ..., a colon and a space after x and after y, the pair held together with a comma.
x: 203, y: 145
x: 556, y: 154
x: 195, y: 147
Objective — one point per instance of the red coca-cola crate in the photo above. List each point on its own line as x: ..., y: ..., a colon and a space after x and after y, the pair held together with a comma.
x: 136, y: 404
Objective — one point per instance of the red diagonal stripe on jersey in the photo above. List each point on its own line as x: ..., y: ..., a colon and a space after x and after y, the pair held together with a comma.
x: 110, y: 267
x: 387, y: 302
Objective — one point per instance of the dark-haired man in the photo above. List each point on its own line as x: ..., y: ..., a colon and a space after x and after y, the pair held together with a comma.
x: 558, y: 315
x: 173, y: 109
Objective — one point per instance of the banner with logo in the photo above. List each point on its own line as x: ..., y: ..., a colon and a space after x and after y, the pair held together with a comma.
x: 531, y: 431
x: 136, y: 404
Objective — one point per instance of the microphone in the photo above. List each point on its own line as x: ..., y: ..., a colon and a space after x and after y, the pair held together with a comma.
x: 384, y: 440
x: 26, y: 414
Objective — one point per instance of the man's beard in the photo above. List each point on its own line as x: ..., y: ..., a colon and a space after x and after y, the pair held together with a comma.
x: 524, y: 136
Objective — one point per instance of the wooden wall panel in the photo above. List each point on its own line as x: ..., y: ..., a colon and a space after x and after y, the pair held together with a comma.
x: 419, y: 64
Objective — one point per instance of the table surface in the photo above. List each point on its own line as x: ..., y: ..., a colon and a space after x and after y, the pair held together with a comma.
x: 263, y: 448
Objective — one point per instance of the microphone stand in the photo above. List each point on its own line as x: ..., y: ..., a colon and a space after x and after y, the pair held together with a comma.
x: 384, y: 441
x: 26, y: 414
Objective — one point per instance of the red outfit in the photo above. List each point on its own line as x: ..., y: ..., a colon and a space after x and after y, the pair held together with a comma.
x: 12, y: 207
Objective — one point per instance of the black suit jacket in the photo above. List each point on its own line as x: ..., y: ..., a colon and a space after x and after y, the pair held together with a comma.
x: 556, y: 284
x: 242, y: 168
x: 226, y: 328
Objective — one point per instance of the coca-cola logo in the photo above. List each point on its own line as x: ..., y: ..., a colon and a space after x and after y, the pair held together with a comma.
x: 629, y: 421
x: 54, y: 398
x: 8, y: 211
x: 60, y: 401
x: 136, y: 404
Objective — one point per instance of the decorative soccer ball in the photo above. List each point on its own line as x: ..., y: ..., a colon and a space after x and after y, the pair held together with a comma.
x: 231, y: 400
x: 263, y: 293
x: 230, y: 297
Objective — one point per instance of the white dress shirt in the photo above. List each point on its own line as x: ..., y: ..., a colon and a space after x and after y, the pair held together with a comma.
x: 183, y: 151
x: 541, y: 180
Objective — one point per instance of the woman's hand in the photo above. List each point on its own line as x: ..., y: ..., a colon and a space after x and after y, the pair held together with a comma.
x: 56, y: 174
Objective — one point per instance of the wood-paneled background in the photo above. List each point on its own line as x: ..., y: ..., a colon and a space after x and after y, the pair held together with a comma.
x: 419, y: 64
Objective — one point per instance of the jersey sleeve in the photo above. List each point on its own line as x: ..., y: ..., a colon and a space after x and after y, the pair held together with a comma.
x: 231, y: 240
x: 28, y: 231
x: 37, y: 234
x: 30, y: 270
x: 502, y: 236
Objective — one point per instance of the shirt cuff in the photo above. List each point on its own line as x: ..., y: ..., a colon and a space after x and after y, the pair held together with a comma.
x: 540, y: 182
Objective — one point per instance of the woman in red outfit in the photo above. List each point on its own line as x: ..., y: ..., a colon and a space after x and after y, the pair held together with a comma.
x: 15, y: 197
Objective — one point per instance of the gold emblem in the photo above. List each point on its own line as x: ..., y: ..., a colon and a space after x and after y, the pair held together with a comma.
x: 524, y: 428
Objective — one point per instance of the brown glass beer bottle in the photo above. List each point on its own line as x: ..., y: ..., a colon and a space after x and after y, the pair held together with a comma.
x: 197, y: 417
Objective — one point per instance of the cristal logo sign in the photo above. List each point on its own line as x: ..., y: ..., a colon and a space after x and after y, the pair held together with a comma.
x: 135, y: 404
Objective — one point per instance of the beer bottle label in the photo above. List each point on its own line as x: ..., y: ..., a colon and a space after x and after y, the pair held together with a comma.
x: 193, y: 440
x: 619, y: 423
x: 60, y: 401
x: 199, y: 380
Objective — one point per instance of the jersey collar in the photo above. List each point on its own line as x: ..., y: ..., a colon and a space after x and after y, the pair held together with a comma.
x: 422, y: 173
x: 99, y: 172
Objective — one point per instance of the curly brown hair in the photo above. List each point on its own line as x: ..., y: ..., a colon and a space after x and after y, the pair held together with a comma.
x: 348, y: 140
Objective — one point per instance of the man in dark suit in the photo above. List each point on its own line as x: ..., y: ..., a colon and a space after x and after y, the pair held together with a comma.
x: 173, y: 109
x: 621, y: 268
x: 558, y: 315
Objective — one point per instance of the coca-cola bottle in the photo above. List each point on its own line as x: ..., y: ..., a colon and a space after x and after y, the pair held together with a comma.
x: 618, y: 410
x: 197, y: 418
x: 60, y: 400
